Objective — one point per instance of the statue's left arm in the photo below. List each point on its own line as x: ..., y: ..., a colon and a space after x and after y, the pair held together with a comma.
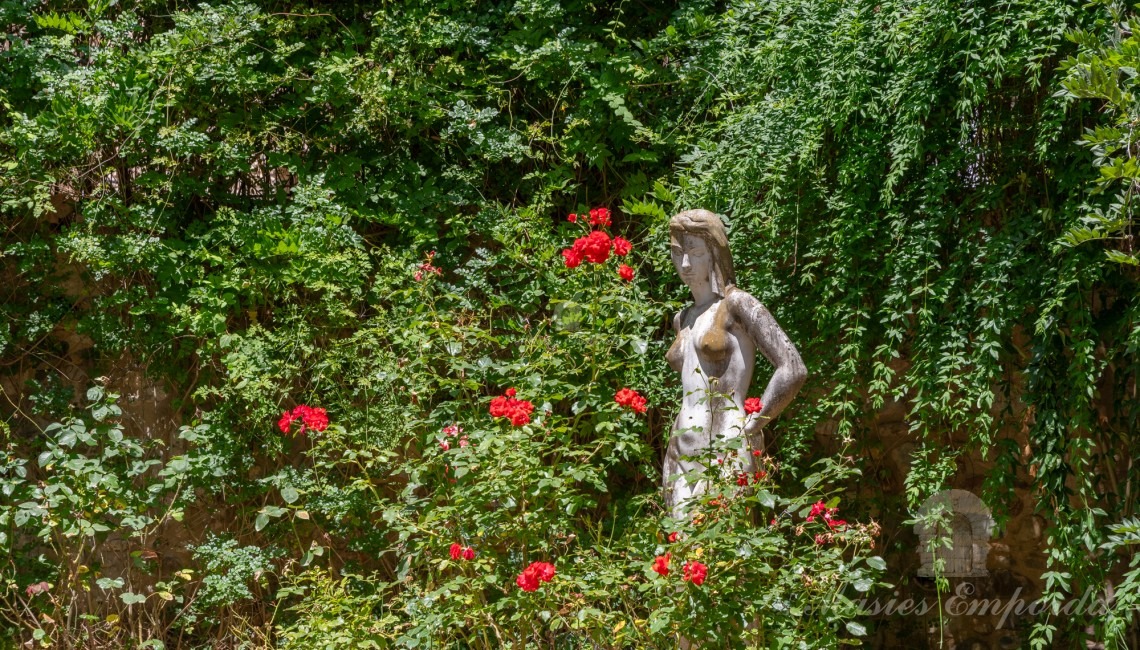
x: 778, y: 349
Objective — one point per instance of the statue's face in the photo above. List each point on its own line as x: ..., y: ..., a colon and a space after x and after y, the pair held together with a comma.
x: 692, y: 258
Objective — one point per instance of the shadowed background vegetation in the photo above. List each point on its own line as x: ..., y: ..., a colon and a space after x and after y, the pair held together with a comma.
x: 213, y: 212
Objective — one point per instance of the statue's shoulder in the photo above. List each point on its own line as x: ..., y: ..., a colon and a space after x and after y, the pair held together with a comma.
x: 740, y: 301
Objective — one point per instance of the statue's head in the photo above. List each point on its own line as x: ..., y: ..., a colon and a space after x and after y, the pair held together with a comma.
x: 709, y: 228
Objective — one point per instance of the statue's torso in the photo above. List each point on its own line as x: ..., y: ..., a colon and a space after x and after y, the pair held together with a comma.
x: 715, y: 358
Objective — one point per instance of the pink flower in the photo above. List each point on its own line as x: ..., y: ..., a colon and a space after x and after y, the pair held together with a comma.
x: 626, y: 272
x: 463, y: 441
x: 695, y: 572
x: 444, y: 445
x: 452, y: 430
x: 37, y: 588
x: 752, y: 405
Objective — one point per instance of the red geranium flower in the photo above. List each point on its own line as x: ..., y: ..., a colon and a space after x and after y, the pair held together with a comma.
x: 661, y: 563
x: 456, y: 551
x: 622, y: 247
x: 626, y: 272
x: 631, y: 399
x: 600, y: 217
x: 468, y: 553
x: 752, y: 405
x: 695, y: 572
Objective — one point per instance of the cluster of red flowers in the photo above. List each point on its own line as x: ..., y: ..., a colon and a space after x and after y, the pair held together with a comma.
x: 630, y: 398
x: 595, y: 247
x: 450, y: 431
x: 531, y: 576
x: 752, y: 405
x: 742, y: 477
x: 427, y: 267
x: 598, y: 217
x: 464, y: 552
x: 310, y: 417
x: 506, y: 406
x: 821, y: 510
x: 694, y: 572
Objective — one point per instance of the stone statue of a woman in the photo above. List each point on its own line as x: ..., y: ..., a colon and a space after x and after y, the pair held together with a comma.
x: 715, y: 352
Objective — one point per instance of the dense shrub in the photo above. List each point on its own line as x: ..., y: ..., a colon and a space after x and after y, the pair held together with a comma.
x: 361, y: 206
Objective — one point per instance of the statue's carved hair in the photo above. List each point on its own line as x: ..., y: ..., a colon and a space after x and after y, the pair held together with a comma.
x: 710, y: 228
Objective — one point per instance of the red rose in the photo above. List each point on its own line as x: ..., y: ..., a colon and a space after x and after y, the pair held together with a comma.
x: 572, y: 218
x: 286, y: 422
x: 311, y: 417
x: 572, y: 256
x: 595, y: 247
x: 516, y: 410
x: 695, y: 572
x: 545, y: 571
x: 661, y: 564
x: 537, y: 571
x: 498, y: 407
x: 468, y: 553
x: 600, y: 217
x: 444, y: 445
x: 626, y: 272
x: 622, y: 247
x: 527, y: 580
x: 631, y: 399
x: 752, y: 405
x: 672, y: 537
x: 456, y: 551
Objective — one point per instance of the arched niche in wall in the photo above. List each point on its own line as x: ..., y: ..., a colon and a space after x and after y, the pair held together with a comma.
x: 969, y: 530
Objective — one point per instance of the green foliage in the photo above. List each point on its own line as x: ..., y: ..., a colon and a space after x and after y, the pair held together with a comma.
x: 230, y: 201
